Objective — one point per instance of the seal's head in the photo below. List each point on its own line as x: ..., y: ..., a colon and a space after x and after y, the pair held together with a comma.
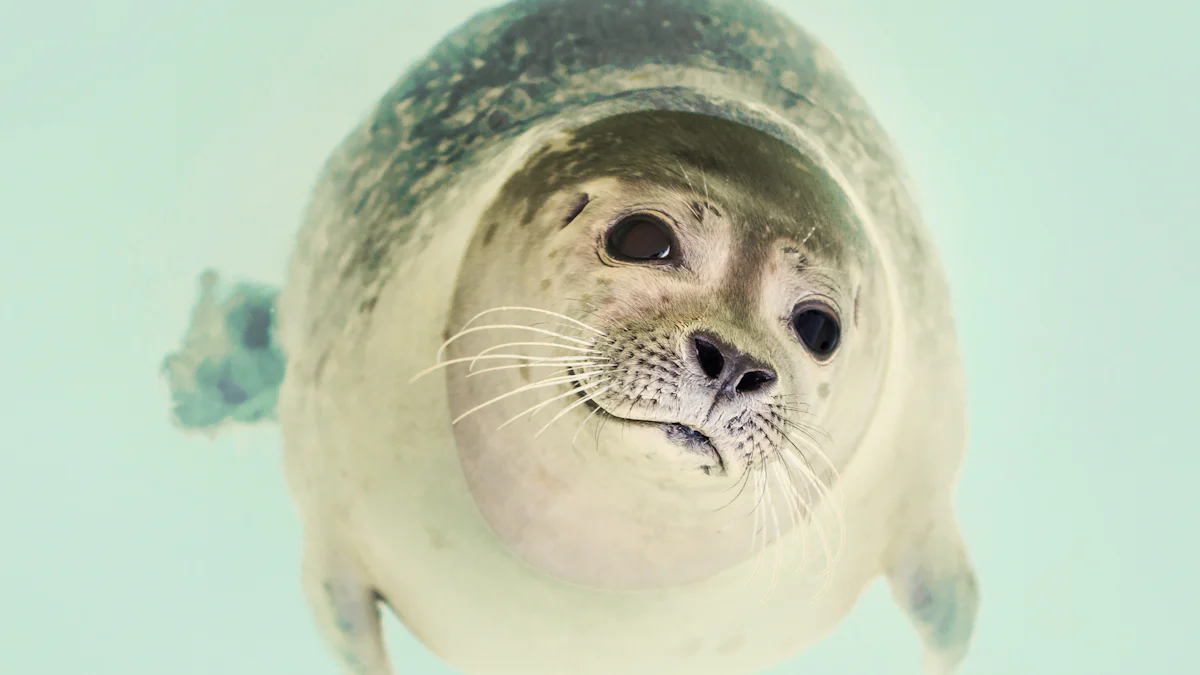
x: 689, y: 326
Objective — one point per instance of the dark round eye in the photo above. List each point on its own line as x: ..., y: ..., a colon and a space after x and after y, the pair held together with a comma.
x: 818, y: 330
x: 640, y: 237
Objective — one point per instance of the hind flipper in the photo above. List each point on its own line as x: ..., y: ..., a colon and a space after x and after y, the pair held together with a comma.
x: 345, y: 608
x: 932, y: 579
x: 230, y: 365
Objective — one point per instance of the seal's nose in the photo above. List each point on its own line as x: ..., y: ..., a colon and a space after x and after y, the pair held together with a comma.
x: 729, y: 371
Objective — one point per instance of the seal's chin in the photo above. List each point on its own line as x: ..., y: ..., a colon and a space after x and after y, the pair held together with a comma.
x: 681, y: 435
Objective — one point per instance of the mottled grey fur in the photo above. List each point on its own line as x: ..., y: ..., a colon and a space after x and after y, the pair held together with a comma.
x: 532, y: 60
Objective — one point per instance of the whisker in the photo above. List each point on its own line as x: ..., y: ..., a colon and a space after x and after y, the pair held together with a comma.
x: 598, y: 339
x: 806, y: 428
x: 832, y: 554
x: 556, y: 345
x: 836, y: 503
x: 574, y: 405
x: 760, y: 520
x: 536, y: 385
x: 820, y: 454
x: 743, y: 481
x: 807, y: 470
x: 795, y: 504
x: 539, y: 406
x: 498, y: 326
x: 539, y: 384
x: 580, y: 364
x: 582, y: 425
x: 536, y: 310
x: 777, y: 542
x: 525, y: 357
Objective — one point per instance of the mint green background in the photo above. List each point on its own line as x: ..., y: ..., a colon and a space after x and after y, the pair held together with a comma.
x: 1054, y: 144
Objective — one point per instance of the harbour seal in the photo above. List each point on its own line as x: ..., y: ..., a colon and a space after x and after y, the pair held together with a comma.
x: 614, y: 342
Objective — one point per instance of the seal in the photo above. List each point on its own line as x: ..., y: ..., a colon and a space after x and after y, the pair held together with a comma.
x: 613, y: 342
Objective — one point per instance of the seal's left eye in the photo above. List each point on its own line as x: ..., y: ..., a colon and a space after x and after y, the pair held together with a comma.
x: 640, y: 237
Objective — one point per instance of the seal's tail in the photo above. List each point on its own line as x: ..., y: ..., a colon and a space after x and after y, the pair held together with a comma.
x: 230, y: 365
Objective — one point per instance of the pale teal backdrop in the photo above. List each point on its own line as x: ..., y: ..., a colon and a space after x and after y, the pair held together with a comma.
x: 1055, y: 146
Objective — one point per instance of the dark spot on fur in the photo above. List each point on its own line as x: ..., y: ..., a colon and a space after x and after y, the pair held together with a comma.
x: 489, y: 233
x: 545, y: 284
x: 823, y: 390
x: 231, y: 393
x: 857, y: 305
x: 499, y: 121
x: 361, y: 203
x: 257, y: 334
x: 577, y: 208
x: 366, y: 306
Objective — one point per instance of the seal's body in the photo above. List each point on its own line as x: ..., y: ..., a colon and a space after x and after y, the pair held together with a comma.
x: 747, y: 358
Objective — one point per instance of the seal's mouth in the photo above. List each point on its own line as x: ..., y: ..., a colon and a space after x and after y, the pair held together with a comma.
x: 682, y: 435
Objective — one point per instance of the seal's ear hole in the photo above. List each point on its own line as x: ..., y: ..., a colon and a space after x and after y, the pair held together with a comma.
x: 641, y: 237
x: 577, y: 208
x: 817, y: 329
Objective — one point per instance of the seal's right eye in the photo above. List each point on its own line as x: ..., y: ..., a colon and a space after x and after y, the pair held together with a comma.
x: 818, y: 330
x: 640, y: 237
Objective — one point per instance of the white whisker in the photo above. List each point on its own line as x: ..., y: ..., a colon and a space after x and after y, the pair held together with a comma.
x: 832, y: 554
x: 573, y: 406
x: 760, y: 520
x: 465, y: 359
x: 533, y: 409
x: 578, y: 364
x: 509, y: 326
x: 535, y: 310
x: 797, y: 505
x: 777, y: 544
x: 585, y: 350
x: 536, y: 385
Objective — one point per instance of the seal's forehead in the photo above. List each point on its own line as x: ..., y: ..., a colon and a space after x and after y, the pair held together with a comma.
x: 769, y: 191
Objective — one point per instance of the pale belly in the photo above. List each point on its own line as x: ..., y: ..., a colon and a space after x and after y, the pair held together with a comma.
x: 456, y: 587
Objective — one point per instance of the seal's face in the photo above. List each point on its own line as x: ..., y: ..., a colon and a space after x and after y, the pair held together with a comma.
x: 706, y: 326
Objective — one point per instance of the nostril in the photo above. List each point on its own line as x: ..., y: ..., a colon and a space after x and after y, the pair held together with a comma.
x: 711, y: 361
x: 753, y: 381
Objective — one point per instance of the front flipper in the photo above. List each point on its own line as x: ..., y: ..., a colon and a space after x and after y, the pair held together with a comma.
x: 345, y: 608
x: 230, y: 365
x: 933, y: 581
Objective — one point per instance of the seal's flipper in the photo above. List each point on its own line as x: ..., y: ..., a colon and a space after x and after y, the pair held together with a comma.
x: 345, y: 608
x: 933, y: 581
x: 230, y: 365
